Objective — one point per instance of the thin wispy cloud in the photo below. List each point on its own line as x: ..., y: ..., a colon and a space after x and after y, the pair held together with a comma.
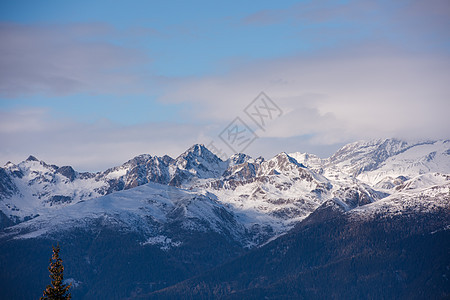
x: 58, y: 60
x: 414, y: 24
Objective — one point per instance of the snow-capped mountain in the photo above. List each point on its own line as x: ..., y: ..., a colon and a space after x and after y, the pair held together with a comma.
x: 379, y: 161
x: 33, y: 187
x: 173, y: 218
x: 262, y: 198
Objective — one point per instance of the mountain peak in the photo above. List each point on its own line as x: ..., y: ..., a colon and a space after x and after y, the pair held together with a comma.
x: 238, y: 158
x: 200, y: 162
x: 283, y: 157
x: 199, y: 150
x: 31, y: 158
x: 140, y: 159
x: 9, y: 164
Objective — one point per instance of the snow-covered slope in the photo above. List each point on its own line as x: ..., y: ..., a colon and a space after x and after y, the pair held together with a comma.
x: 34, y: 187
x: 415, y: 160
x: 420, y: 195
x: 248, y: 200
x: 150, y: 209
x: 382, y: 161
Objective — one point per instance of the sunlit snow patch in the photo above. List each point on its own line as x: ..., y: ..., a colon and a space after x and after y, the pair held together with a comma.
x: 164, y: 242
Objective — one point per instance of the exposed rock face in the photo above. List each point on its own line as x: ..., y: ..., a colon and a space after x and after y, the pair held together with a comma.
x: 68, y: 172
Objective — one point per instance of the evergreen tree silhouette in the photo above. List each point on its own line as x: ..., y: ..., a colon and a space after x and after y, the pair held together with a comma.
x: 56, y: 290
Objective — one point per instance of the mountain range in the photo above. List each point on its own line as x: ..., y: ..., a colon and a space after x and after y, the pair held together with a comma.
x: 370, y: 221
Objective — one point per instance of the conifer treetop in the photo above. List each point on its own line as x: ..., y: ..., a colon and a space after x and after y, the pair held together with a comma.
x: 56, y: 290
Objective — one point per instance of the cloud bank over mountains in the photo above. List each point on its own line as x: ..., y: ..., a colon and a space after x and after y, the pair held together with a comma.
x: 352, y: 71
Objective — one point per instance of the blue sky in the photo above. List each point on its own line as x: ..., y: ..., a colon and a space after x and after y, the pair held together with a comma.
x: 92, y: 83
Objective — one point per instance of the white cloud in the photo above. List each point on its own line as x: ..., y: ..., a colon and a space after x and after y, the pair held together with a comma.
x: 334, y: 97
x: 65, y: 59
x: 92, y: 147
x: 391, y: 82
